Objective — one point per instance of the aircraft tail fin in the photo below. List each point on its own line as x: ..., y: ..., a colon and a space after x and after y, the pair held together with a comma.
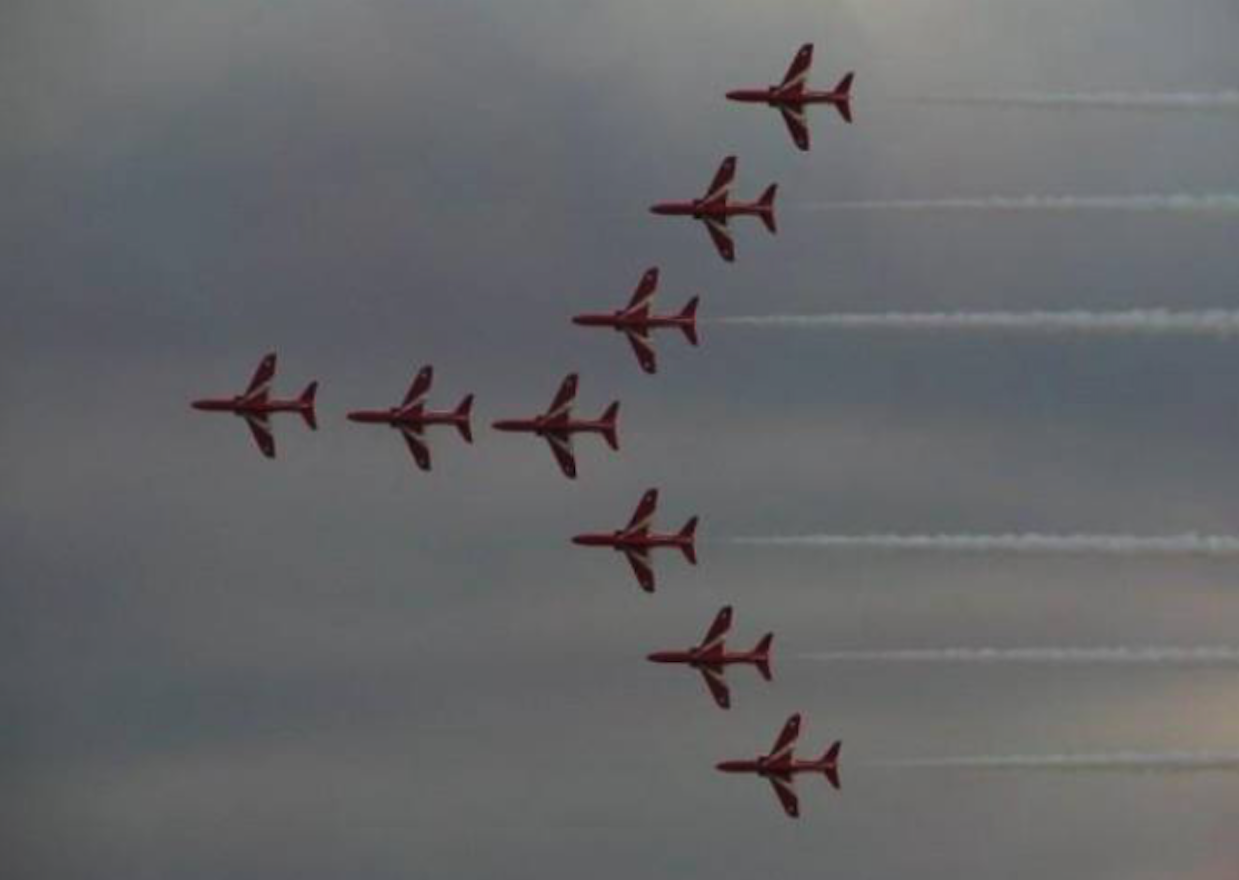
x: 688, y: 535
x: 463, y: 412
x: 306, y: 400
x: 830, y: 764
x: 761, y: 656
x: 844, y: 91
x: 765, y: 207
x: 689, y: 315
x: 610, y: 425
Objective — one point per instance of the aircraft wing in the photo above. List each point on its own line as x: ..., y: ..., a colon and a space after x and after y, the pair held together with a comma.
x: 797, y: 125
x: 260, y: 428
x: 417, y: 448
x: 260, y: 384
x: 416, y: 395
x: 720, y: 187
x: 798, y: 73
x: 644, y: 514
x: 562, y: 404
x: 561, y: 448
x: 785, y: 791
x: 643, y: 348
x: 645, y: 291
x: 718, y: 629
x: 721, y: 237
x: 716, y: 684
x: 641, y: 567
x: 787, y: 739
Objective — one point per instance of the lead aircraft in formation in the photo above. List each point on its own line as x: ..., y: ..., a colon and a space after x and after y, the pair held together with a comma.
x: 637, y: 321
x: 715, y: 209
x: 780, y: 766
x: 792, y: 97
x: 636, y: 540
x: 711, y: 657
x: 256, y: 405
x: 412, y: 417
x: 558, y: 426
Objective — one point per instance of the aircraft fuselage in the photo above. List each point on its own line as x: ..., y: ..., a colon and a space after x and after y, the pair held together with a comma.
x: 240, y: 406
x: 697, y: 658
x: 400, y: 418
x: 773, y: 97
x: 718, y: 210
x: 765, y: 767
x: 541, y: 426
x: 622, y: 322
x: 620, y: 542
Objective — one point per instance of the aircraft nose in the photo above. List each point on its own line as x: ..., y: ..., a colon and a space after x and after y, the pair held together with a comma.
x: 658, y: 209
x: 580, y: 540
x: 199, y: 404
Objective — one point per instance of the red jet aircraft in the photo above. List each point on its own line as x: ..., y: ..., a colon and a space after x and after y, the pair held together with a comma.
x: 256, y: 405
x: 558, y: 426
x: 636, y: 540
x: 412, y: 417
x: 792, y: 97
x: 636, y: 321
x: 711, y: 657
x: 714, y: 209
x: 780, y: 766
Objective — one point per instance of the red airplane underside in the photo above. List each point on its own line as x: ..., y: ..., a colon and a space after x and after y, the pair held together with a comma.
x: 412, y: 418
x: 780, y: 766
x: 557, y: 426
x: 257, y: 406
x: 792, y: 96
x: 637, y: 322
x: 711, y: 657
x: 715, y: 209
x: 636, y: 540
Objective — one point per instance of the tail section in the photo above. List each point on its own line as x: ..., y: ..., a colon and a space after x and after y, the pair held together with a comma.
x: 463, y: 412
x: 761, y: 656
x: 765, y: 207
x: 306, y: 400
x: 688, y: 535
x: 830, y: 764
x: 844, y: 92
x: 610, y: 426
x: 689, y: 316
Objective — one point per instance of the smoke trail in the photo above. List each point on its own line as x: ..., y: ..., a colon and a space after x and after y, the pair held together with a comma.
x: 1154, y: 656
x: 1216, y: 203
x: 1121, y: 762
x: 1153, y: 322
x: 1221, y: 100
x: 1107, y: 545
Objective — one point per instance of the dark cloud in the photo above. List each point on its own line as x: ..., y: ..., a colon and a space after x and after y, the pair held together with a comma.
x: 334, y: 664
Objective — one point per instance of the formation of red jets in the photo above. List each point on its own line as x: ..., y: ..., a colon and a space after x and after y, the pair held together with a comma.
x: 557, y: 425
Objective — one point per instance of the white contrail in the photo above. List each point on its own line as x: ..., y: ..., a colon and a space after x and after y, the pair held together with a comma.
x: 1153, y: 322
x: 1126, y: 762
x: 1195, y: 656
x: 1220, y: 100
x: 1108, y: 545
x: 1216, y: 203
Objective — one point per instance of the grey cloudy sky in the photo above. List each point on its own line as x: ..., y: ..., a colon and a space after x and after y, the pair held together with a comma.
x: 215, y: 665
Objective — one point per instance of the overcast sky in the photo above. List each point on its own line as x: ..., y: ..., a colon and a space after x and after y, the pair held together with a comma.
x: 332, y: 664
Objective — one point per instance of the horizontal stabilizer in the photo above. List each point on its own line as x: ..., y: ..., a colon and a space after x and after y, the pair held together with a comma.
x: 306, y: 400
x: 463, y: 412
x: 689, y: 534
